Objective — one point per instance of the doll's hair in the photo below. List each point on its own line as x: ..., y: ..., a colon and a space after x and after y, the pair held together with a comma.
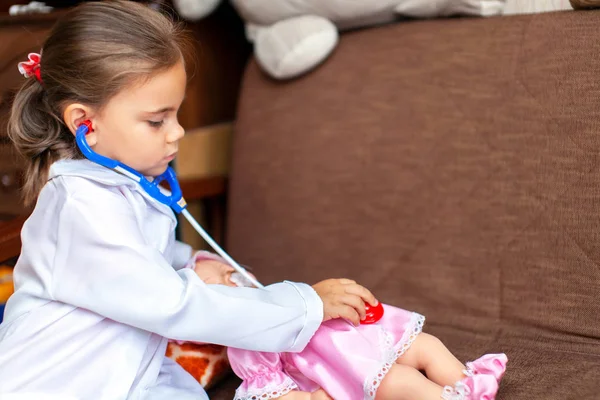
x: 92, y: 53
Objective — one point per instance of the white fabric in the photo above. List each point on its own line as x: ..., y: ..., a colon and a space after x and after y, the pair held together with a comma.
x: 293, y: 36
x: 182, y: 253
x: 445, y: 8
x: 32, y: 8
x: 535, y: 6
x: 97, y: 295
x: 293, y: 46
x: 194, y: 10
x: 352, y: 13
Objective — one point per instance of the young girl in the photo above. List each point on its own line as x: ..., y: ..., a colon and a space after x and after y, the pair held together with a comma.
x: 380, y: 361
x: 100, y: 283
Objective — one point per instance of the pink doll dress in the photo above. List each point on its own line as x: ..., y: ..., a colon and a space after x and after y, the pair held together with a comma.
x: 348, y: 362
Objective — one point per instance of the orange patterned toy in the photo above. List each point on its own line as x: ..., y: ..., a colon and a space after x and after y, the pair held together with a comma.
x: 207, y: 363
x: 6, y: 286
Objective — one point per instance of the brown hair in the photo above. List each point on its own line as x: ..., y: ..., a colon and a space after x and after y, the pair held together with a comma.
x: 91, y: 54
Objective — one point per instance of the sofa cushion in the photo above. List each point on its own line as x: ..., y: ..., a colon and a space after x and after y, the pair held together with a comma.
x: 451, y: 166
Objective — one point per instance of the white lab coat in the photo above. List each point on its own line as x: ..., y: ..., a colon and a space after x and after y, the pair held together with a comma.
x: 100, y: 286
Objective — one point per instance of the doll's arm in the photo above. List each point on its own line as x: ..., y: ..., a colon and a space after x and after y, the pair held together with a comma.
x: 264, y: 378
x: 262, y: 374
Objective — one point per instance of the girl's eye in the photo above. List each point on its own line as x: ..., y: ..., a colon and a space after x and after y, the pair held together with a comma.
x: 155, y: 124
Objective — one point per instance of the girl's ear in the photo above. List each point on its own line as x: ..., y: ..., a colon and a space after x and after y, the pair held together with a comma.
x: 74, y: 115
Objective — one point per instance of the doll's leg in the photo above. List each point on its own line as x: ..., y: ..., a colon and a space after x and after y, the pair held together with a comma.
x: 406, y: 383
x: 297, y: 395
x: 429, y: 354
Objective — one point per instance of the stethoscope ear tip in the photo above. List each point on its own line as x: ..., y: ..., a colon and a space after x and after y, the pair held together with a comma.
x: 88, y: 124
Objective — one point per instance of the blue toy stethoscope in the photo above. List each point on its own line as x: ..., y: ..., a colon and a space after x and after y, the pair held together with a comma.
x: 174, y: 200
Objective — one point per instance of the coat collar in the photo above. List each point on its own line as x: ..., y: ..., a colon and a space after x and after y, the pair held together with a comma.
x: 87, y: 169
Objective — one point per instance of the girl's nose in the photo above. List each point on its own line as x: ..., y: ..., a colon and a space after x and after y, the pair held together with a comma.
x: 177, y: 133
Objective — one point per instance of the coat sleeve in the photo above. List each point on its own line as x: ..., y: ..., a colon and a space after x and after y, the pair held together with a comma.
x: 104, y: 264
x: 182, y: 253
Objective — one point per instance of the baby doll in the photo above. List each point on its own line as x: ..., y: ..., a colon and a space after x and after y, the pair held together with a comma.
x: 369, y: 361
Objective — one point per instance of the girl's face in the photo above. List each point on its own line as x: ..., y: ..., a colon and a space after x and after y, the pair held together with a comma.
x: 139, y: 126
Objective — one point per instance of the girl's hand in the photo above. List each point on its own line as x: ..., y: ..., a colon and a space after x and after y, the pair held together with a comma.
x: 344, y: 298
x: 214, y: 272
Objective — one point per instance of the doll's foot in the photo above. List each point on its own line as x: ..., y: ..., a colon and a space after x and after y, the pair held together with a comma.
x: 476, y: 387
x: 489, y: 364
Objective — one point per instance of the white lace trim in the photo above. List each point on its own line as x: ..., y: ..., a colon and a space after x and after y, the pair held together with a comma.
x: 459, y: 392
x: 391, y: 353
x: 470, y: 371
x: 271, y: 391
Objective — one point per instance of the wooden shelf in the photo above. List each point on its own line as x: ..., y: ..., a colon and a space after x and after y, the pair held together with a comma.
x: 10, y: 237
x: 201, y: 188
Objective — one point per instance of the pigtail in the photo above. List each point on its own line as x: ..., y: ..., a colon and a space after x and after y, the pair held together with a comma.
x: 38, y: 135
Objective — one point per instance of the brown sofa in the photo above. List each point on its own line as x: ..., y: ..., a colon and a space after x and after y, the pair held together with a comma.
x: 451, y: 166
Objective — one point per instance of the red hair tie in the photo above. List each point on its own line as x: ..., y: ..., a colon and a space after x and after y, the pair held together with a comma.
x: 32, y: 67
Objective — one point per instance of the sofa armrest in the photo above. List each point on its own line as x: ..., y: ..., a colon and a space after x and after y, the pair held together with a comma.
x: 585, y: 4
